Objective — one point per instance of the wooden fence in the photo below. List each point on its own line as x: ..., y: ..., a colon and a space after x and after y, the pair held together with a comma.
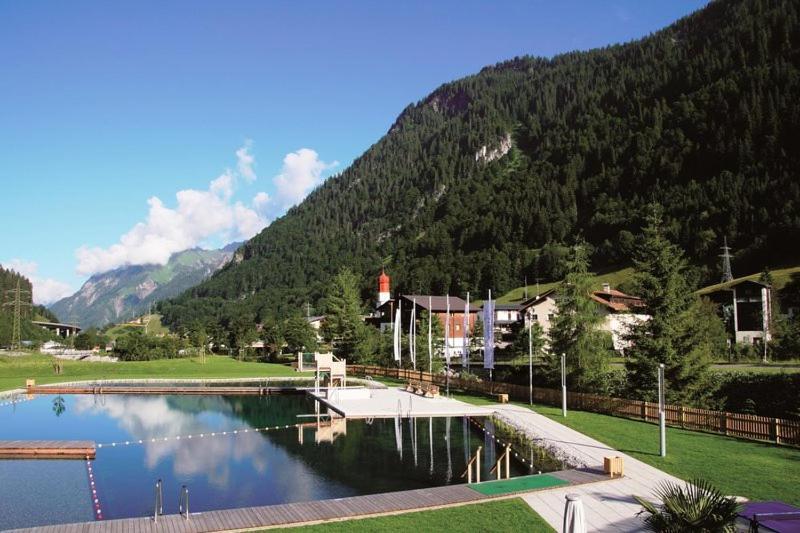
x: 739, y: 425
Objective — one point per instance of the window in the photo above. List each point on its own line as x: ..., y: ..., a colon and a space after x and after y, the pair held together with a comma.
x: 458, y: 327
x: 535, y: 317
x: 550, y: 317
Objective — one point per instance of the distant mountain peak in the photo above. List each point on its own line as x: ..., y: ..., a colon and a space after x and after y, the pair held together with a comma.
x: 127, y: 291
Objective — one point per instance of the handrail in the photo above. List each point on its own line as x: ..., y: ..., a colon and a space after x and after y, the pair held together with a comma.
x: 183, y: 502
x: 476, y: 459
x: 159, y: 501
x: 498, y: 465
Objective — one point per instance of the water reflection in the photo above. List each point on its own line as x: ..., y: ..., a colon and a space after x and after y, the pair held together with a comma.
x: 149, y: 418
x: 59, y: 405
x: 315, y: 457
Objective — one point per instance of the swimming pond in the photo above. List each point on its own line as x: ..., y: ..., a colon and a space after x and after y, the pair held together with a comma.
x: 230, y: 451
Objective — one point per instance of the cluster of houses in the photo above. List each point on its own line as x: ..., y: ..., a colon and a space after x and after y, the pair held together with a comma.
x: 745, y: 306
x: 619, y: 311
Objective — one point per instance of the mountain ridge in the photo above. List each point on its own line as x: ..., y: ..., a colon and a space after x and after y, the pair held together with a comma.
x: 699, y: 115
x: 124, y: 292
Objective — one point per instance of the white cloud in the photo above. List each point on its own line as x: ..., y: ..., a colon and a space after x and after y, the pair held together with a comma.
x: 261, y: 201
x: 245, y: 161
x: 45, y: 290
x: 199, y: 215
x: 301, y: 173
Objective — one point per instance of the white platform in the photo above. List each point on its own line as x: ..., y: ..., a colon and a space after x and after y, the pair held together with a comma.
x: 386, y: 403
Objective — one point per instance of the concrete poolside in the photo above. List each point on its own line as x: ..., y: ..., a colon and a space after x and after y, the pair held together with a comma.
x: 388, y: 402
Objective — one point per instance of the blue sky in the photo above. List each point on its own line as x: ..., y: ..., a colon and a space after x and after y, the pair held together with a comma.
x: 107, y: 110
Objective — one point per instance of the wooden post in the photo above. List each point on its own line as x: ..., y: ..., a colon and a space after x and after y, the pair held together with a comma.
x: 508, y: 461
x: 776, y: 427
x: 723, y: 423
x: 683, y: 415
x: 477, y: 463
x: 644, y: 410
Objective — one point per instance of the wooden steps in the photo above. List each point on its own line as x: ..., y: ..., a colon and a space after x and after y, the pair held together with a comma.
x: 47, y: 449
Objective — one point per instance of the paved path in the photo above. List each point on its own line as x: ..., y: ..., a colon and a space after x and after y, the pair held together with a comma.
x: 608, y: 505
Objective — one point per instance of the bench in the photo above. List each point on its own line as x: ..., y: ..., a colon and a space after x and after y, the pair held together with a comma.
x: 501, y: 397
x: 425, y: 389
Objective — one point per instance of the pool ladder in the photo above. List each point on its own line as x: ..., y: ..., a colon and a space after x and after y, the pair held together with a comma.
x: 159, y: 504
x: 476, y: 462
x: 183, y: 501
x: 498, y: 466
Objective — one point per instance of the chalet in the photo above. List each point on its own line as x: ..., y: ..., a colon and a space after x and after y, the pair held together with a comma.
x: 540, y: 309
x: 619, y: 312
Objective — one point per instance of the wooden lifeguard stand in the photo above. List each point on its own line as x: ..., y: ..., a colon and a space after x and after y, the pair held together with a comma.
x: 331, y: 368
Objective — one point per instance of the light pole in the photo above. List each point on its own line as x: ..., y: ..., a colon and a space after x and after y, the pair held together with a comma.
x: 662, y: 425
x: 564, y: 385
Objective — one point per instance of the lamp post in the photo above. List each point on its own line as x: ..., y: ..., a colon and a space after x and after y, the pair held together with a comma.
x: 564, y: 385
x: 662, y: 425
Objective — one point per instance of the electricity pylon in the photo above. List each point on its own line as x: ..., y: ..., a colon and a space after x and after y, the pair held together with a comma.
x: 16, y: 304
x: 727, y: 274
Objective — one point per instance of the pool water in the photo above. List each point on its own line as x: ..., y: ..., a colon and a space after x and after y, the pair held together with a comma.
x: 317, y: 460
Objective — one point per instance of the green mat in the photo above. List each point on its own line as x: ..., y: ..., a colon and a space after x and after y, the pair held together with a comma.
x: 517, y: 484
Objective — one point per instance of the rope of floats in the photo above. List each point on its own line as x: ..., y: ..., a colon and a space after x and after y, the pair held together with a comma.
x: 14, y: 401
x: 500, y: 442
x: 98, y: 512
x: 208, y: 434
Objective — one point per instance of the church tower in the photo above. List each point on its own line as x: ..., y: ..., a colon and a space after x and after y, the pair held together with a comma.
x: 383, y: 288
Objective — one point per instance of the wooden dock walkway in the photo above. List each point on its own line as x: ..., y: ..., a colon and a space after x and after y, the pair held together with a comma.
x: 47, y: 449
x: 302, y: 513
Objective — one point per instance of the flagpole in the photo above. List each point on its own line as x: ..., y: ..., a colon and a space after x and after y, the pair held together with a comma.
x: 430, y: 339
x: 414, y: 335
x: 447, y: 343
x: 465, y: 325
x: 491, y: 334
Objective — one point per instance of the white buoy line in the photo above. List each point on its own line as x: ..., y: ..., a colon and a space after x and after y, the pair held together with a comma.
x: 195, y: 436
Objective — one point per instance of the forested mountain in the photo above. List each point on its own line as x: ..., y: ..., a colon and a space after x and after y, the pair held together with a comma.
x: 485, y: 181
x: 126, y: 292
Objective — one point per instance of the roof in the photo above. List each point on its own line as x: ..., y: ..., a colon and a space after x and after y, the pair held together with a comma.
x: 315, y: 318
x: 439, y: 303
x: 506, y: 307
x: 754, y: 282
x: 536, y: 299
x: 616, y: 300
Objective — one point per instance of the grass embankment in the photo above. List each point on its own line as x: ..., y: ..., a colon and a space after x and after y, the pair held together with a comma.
x: 498, y: 516
x: 752, y: 469
x: 15, y: 370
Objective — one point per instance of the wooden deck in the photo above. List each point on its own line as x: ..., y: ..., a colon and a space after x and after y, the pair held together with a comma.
x: 162, y: 389
x: 304, y: 512
x: 47, y: 449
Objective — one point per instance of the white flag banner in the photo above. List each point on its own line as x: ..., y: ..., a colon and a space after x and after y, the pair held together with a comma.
x: 397, y: 334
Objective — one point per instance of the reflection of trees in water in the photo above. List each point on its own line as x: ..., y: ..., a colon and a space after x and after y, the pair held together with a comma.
x: 59, y: 405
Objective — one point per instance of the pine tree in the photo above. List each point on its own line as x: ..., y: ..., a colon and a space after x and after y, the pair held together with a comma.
x: 344, y: 327
x: 575, y: 330
x: 668, y: 336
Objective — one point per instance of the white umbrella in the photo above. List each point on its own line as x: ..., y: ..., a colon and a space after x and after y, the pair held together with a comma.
x: 574, y: 521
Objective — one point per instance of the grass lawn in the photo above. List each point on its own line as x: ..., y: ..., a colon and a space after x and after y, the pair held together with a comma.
x: 512, y: 515
x: 14, y: 370
x: 744, y: 468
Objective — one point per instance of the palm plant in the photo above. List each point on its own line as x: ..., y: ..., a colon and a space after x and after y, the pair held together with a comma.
x: 697, y: 506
